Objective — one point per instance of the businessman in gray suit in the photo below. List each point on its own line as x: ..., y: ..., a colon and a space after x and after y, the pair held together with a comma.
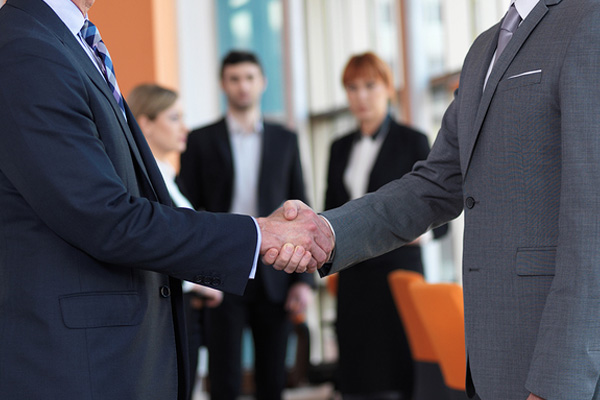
x: 518, y: 152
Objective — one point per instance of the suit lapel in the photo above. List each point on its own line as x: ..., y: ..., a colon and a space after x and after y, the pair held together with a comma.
x: 346, y: 148
x: 151, y: 172
x: 79, y: 57
x: 498, y: 70
x: 225, y: 158
x: 388, y: 151
x: 269, y: 148
x: 90, y: 70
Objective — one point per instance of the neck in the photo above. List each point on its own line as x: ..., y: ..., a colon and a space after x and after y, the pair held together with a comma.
x: 369, y: 127
x: 246, y: 118
x: 82, y: 5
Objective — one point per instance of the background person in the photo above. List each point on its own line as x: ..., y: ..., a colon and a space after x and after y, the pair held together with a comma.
x: 243, y: 164
x: 369, y: 330
x: 159, y: 113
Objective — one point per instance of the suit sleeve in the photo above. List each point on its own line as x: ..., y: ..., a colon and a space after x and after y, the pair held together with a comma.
x: 566, y: 360
x: 52, y: 153
x: 422, y: 151
x: 403, y: 209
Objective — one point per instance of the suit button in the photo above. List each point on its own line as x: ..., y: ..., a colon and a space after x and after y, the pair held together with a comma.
x: 198, y: 278
x: 165, y: 291
x: 470, y: 202
x: 216, y: 282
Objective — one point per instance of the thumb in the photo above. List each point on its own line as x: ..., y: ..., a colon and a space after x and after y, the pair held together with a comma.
x: 291, y: 208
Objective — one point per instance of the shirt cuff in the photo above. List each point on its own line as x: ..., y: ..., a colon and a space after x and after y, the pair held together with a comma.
x: 257, y: 252
x: 187, y: 286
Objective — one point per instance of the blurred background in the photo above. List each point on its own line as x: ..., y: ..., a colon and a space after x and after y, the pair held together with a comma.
x: 304, y: 45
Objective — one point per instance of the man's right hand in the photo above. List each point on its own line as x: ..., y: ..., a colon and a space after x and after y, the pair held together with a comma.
x: 295, y: 238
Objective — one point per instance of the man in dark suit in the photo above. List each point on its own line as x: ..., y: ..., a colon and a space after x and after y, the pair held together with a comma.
x: 91, y: 252
x: 242, y: 164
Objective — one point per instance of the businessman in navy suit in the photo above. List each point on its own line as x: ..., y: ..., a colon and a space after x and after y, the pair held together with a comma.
x: 91, y: 251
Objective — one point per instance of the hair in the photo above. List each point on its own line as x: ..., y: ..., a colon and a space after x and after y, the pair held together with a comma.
x: 240, y: 56
x: 368, y: 65
x: 150, y: 100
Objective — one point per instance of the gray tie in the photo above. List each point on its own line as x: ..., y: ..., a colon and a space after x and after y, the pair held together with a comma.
x: 509, y: 26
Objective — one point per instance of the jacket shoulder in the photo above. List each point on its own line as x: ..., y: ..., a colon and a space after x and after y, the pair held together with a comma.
x: 279, y: 129
x: 217, y: 126
x: 208, y: 132
x: 343, y: 140
x: 406, y: 131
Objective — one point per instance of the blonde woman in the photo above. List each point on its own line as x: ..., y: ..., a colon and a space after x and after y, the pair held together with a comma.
x: 159, y: 113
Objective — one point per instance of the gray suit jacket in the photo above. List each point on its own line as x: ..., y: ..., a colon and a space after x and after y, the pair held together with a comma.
x: 521, y: 158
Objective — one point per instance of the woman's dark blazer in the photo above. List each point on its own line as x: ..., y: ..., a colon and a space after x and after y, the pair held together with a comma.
x: 367, y: 321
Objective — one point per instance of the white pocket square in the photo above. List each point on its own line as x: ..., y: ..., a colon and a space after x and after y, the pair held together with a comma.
x: 535, y: 71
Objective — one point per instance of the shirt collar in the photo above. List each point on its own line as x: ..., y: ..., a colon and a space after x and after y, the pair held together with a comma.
x: 236, y: 128
x: 379, y: 133
x: 166, y: 170
x: 524, y: 7
x: 69, y: 14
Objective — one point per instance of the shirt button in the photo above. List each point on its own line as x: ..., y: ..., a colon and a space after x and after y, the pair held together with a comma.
x: 165, y: 291
x: 470, y: 202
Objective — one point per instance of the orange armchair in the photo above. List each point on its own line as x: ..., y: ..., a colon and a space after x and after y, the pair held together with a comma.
x: 429, y: 383
x: 441, y: 309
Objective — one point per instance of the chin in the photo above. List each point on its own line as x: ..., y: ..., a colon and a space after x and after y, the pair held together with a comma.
x: 363, y: 116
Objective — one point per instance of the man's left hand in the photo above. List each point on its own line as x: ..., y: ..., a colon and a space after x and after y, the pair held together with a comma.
x: 299, y: 297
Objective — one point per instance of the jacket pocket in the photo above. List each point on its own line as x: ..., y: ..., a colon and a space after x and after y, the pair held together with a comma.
x: 95, y: 310
x: 520, y: 80
x: 540, y: 261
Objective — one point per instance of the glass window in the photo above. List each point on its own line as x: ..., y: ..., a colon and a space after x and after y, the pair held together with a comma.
x: 255, y: 25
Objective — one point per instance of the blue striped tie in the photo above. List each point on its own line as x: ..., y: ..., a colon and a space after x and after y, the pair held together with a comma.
x: 92, y: 37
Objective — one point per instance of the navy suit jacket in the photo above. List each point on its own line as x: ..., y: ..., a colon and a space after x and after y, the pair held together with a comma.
x: 207, y: 177
x: 90, y: 247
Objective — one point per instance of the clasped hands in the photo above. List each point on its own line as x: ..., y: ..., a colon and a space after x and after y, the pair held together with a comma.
x: 295, y: 238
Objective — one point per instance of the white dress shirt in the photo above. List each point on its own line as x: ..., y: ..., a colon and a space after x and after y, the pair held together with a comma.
x: 246, y: 149
x: 362, y: 159
x: 72, y: 17
x: 168, y: 173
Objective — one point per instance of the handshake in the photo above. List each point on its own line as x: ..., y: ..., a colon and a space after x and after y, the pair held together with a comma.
x: 295, y: 238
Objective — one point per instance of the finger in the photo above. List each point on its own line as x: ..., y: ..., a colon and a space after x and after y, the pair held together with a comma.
x: 284, y: 257
x: 270, y: 256
x: 318, y: 254
x: 305, y: 260
x: 312, y: 264
x: 296, y: 259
